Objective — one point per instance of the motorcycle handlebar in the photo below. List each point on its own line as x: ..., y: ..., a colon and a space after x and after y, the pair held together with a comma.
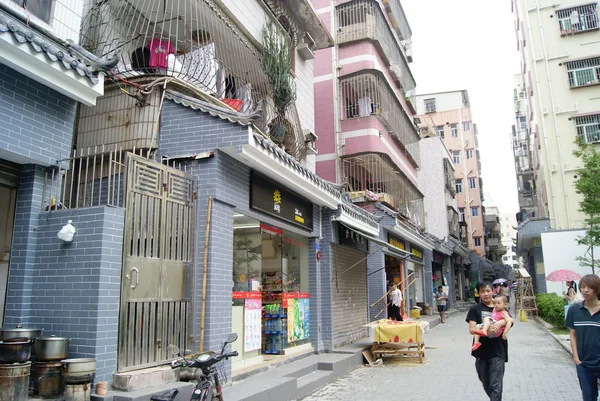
x: 230, y: 354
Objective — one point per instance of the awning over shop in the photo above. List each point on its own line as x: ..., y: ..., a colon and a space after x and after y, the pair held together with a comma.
x: 385, y: 247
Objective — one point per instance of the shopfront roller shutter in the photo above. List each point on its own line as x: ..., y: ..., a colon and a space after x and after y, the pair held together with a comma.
x: 350, y: 300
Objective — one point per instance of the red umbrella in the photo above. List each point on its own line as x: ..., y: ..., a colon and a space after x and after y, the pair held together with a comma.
x: 563, y: 275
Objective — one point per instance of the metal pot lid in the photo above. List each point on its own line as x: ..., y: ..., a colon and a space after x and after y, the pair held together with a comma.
x: 52, y: 338
x: 78, y: 360
x: 18, y: 329
x: 15, y: 342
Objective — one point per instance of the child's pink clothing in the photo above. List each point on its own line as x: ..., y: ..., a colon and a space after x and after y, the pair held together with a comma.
x: 159, y: 50
x: 496, y: 316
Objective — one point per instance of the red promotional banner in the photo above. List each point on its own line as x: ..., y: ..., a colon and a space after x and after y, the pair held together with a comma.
x: 246, y: 295
x: 291, y: 295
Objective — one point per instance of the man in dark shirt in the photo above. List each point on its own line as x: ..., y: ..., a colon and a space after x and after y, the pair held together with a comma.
x: 583, y: 321
x: 491, y: 356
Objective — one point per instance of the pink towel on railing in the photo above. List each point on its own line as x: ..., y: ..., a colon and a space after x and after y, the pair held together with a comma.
x: 159, y: 50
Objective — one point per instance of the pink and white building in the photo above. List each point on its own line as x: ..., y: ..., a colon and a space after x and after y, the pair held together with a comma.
x: 364, y: 96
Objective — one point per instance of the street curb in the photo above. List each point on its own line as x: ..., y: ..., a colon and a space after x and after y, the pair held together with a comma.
x: 558, y: 340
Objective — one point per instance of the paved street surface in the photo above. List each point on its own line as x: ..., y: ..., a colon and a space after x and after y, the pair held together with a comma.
x: 538, y: 369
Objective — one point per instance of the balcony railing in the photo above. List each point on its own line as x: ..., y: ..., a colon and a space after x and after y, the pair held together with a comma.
x: 192, y: 46
x: 450, y: 182
x: 583, y: 72
x: 364, y: 19
x: 368, y: 95
x: 578, y: 19
x: 588, y: 128
x: 378, y: 174
x: 398, y: 18
x: 453, y: 223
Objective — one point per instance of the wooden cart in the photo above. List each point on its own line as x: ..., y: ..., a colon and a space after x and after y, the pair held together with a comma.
x: 391, y: 338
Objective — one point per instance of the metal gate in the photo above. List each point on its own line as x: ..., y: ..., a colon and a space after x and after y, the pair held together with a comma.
x: 157, y: 278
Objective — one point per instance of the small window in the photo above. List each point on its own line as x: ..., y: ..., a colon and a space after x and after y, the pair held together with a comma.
x: 467, y: 125
x: 523, y: 122
x: 429, y: 105
x: 474, y: 211
x: 40, y: 8
x: 469, y: 153
x: 459, y: 186
x: 454, y: 130
x: 477, y: 241
x: 472, y: 182
x: 461, y: 213
x: 440, y: 131
x: 456, y: 157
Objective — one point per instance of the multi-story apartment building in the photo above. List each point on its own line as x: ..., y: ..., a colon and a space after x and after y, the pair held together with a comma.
x: 560, y: 71
x: 508, y: 224
x: 448, y: 115
x: 493, y: 234
x: 557, y: 103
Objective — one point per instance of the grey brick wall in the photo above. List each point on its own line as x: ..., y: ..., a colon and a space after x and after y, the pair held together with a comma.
x: 36, y: 122
x: 23, y: 258
x: 75, y: 286
x: 428, y: 274
x: 186, y: 131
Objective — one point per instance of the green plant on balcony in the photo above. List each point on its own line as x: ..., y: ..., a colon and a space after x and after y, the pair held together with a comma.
x: 276, y: 61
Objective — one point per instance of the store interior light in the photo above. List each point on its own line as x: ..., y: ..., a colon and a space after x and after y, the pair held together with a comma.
x: 247, y: 226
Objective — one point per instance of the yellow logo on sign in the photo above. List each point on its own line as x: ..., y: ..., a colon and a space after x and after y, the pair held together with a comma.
x: 299, y: 219
x: 277, y: 196
x: 397, y: 244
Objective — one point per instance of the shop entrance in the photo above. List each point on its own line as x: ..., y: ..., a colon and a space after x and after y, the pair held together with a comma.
x: 270, y: 290
x: 394, y: 273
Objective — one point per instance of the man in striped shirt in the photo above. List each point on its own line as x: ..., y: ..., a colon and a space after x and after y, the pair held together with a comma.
x: 583, y: 321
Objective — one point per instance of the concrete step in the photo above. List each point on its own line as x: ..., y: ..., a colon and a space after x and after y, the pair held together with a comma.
x: 313, y: 381
x: 143, y: 378
x: 185, y: 393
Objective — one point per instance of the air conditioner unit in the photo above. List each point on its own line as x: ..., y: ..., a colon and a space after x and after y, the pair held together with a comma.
x: 305, y: 52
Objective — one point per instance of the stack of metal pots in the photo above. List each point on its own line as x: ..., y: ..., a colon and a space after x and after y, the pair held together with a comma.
x: 78, y: 375
x: 15, y: 367
x: 48, y: 380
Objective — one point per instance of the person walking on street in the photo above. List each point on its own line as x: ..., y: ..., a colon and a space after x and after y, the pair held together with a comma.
x: 442, y: 302
x: 396, y: 304
x: 492, y: 355
x: 583, y: 321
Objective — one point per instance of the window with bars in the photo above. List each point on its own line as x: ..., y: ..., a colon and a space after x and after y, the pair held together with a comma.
x: 469, y: 153
x: 583, y: 72
x: 454, y: 130
x: 578, y: 19
x: 40, y: 8
x: 472, y: 182
x: 477, y: 241
x: 588, y: 128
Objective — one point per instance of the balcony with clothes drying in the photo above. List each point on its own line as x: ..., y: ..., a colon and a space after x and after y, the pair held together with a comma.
x: 195, y: 49
x: 364, y: 20
x: 372, y: 114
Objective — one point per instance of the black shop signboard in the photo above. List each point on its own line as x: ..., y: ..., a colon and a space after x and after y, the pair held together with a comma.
x: 274, y: 199
x: 352, y: 239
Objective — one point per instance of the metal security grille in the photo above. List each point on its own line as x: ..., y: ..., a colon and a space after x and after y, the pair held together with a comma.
x: 377, y: 173
x: 588, y: 128
x: 364, y: 19
x: 584, y: 72
x: 369, y: 95
x: 578, y: 19
x: 350, y: 299
x: 157, y: 278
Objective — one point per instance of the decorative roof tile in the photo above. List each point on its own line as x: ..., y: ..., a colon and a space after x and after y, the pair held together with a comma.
x: 68, y: 53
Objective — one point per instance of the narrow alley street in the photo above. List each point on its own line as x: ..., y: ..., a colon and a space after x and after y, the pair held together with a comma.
x: 538, y: 369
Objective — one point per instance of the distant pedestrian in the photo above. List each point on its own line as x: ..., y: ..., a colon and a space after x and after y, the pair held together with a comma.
x: 505, y: 291
x: 441, y: 299
x: 396, y: 303
x: 476, y: 295
x: 492, y: 355
x: 583, y: 321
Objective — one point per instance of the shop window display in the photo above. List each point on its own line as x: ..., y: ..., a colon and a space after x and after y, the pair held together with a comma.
x: 269, y: 265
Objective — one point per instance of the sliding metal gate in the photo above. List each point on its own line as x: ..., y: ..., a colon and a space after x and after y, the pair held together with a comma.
x: 157, y: 278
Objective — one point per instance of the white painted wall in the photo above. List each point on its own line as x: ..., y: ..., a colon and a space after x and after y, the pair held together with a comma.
x: 560, y: 249
x: 443, y: 101
x: 65, y: 21
x: 305, y: 91
x: 250, y: 14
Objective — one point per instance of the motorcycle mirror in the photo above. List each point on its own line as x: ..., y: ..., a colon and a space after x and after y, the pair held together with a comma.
x: 232, y: 337
x: 173, y: 349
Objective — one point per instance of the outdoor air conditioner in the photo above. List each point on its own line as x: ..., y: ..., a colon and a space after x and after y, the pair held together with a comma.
x: 305, y: 52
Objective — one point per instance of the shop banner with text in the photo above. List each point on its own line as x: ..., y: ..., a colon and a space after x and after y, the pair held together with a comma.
x: 252, y: 324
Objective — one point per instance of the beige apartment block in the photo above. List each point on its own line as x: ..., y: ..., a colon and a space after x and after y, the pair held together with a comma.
x: 448, y: 115
x: 559, y: 43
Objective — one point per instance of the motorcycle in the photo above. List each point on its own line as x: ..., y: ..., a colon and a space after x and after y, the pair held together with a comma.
x: 208, y: 383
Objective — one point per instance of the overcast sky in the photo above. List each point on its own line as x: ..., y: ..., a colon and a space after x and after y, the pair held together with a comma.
x: 471, y: 44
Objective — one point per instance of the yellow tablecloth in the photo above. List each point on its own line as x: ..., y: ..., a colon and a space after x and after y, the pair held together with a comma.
x: 389, y: 331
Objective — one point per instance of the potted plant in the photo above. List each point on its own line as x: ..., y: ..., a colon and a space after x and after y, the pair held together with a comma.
x: 276, y: 65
